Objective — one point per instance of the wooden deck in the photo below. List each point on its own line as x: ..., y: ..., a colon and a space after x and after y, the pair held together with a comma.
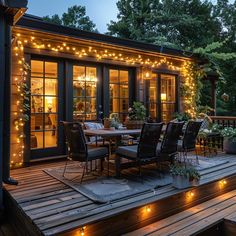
x: 196, y: 220
x: 41, y: 205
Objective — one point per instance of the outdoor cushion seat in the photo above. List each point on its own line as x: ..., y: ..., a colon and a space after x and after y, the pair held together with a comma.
x: 128, y: 151
x: 94, y: 152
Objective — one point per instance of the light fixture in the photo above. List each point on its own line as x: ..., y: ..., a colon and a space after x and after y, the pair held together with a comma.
x: 163, y: 96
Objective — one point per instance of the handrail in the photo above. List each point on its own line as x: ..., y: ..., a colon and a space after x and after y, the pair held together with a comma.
x: 225, y: 121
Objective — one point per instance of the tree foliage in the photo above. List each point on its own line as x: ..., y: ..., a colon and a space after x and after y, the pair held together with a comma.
x: 201, y: 26
x: 74, y: 17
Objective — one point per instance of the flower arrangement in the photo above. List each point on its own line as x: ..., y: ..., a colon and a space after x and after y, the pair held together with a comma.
x: 229, y: 133
x: 188, y: 172
x: 137, y: 112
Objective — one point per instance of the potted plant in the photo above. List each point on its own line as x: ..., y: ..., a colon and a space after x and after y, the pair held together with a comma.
x: 181, y: 116
x: 136, y: 116
x: 229, y: 135
x: 184, y: 176
x: 115, y: 121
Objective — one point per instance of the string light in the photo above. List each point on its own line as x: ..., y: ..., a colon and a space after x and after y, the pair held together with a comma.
x: 148, y: 209
x: 152, y: 61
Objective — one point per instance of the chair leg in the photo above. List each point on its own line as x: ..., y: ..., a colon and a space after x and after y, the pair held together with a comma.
x: 108, y: 166
x: 117, y: 163
x: 139, y: 169
x: 85, y: 169
x: 64, y: 171
x: 197, y: 159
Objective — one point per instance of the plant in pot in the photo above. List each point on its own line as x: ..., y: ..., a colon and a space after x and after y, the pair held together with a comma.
x: 229, y: 135
x: 136, y: 116
x: 181, y: 116
x: 115, y: 121
x: 184, y: 176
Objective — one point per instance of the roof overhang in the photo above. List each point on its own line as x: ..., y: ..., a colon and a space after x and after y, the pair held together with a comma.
x: 37, y: 24
x: 14, y: 8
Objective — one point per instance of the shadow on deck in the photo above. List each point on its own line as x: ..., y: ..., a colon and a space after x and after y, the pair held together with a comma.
x: 41, y: 205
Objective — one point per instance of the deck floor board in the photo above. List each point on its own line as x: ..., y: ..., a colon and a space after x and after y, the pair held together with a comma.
x: 55, y: 207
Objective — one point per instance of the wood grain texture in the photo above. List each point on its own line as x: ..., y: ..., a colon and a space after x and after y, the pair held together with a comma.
x: 43, y: 205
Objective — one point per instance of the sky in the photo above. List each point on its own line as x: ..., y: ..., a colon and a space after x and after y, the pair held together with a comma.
x: 99, y: 11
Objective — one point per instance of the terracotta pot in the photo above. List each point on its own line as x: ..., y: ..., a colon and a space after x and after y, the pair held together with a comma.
x: 134, y: 124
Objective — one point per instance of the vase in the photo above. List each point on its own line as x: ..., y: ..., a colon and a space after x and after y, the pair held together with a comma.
x: 229, y: 146
x: 182, y: 182
x: 134, y: 124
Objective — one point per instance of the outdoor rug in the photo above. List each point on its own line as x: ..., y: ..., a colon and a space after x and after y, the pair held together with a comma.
x: 103, y: 189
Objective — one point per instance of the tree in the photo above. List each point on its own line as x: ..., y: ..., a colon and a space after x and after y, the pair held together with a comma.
x: 74, y: 17
x: 187, y: 25
x: 183, y: 23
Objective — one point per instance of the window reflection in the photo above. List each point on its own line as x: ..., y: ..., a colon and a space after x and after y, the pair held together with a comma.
x: 84, y: 93
x: 119, y: 92
x: 168, y: 97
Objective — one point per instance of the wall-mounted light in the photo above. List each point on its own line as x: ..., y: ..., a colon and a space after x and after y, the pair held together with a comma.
x: 163, y: 97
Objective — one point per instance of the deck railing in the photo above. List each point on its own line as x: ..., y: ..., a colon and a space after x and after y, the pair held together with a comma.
x: 225, y: 121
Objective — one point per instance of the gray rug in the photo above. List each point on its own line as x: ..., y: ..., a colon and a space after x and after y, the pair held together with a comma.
x: 103, y: 189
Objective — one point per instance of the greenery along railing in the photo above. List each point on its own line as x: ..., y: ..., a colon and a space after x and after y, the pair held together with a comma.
x: 225, y: 121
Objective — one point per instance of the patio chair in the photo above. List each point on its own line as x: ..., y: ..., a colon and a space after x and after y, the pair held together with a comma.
x: 79, y: 150
x: 188, y: 142
x: 145, y: 151
x: 167, y: 148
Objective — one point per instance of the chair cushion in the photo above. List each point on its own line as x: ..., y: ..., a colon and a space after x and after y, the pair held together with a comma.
x: 94, y: 125
x: 96, y: 152
x: 128, y: 151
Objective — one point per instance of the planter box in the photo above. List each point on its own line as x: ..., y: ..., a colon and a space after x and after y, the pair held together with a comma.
x: 134, y: 124
x: 229, y: 146
x: 181, y: 182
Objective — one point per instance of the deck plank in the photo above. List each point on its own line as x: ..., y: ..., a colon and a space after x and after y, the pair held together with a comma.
x: 55, y: 207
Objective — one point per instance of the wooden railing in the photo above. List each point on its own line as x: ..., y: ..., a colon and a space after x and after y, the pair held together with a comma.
x: 225, y: 121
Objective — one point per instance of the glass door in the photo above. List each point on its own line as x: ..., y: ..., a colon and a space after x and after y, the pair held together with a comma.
x: 119, y: 92
x: 84, y: 93
x: 161, y: 97
x: 168, y: 97
x: 44, y: 108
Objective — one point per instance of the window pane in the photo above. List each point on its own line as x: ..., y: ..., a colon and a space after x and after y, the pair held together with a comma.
x: 168, y: 88
x: 124, y: 91
x: 51, y: 69
x: 124, y: 105
x: 36, y: 104
x: 50, y: 87
x: 114, y: 105
x: 37, y: 68
x: 91, y: 105
x: 79, y: 89
x: 114, y: 76
x: 50, y: 104
x: 124, y: 76
x: 36, y: 140
x: 91, y: 89
x: 36, y: 86
x: 50, y: 121
x: 50, y: 138
x: 153, y: 91
x: 79, y: 105
x: 91, y: 73
x: 36, y: 121
x: 114, y: 90
x: 78, y: 72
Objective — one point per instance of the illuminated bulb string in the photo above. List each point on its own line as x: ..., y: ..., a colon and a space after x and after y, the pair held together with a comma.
x: 186, y: 71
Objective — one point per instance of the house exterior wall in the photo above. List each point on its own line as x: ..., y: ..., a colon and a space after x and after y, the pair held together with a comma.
x: 27, y: 44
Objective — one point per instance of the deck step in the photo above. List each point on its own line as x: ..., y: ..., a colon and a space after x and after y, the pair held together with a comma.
x: 197, y: 219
